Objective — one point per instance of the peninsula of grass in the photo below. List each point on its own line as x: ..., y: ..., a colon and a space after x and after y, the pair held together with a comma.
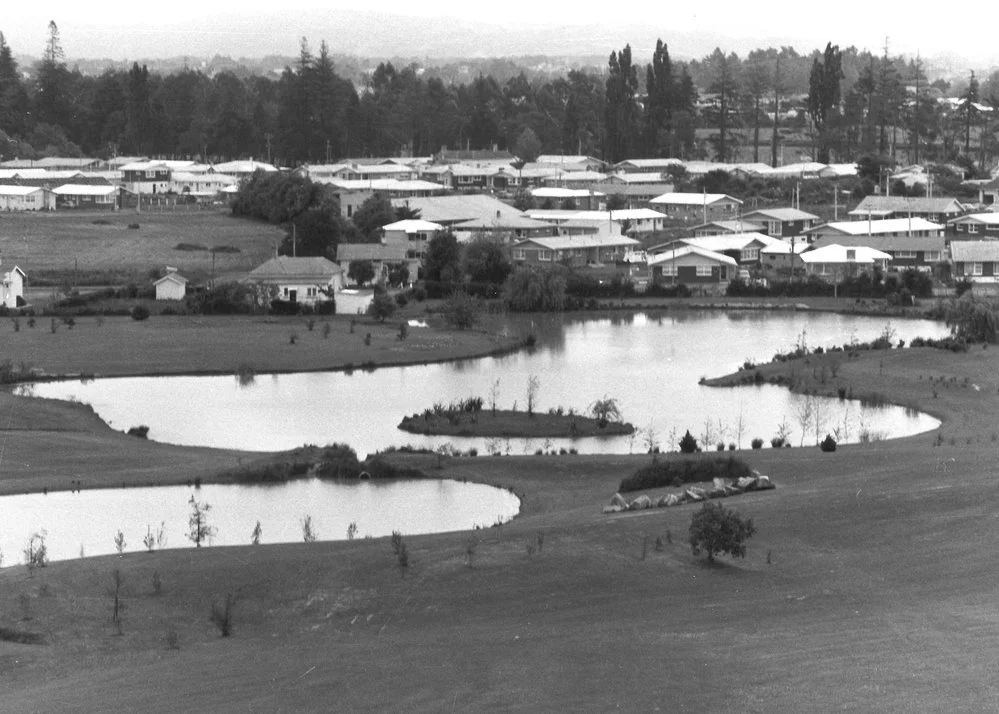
x: 503, y: 423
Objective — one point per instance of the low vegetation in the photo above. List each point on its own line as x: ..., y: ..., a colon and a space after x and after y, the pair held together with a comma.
x: 676, y: 471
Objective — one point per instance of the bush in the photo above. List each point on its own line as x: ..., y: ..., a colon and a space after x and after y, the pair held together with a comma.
x: 717, y: 530
x: 139, y: 313
x: 688, y: 444
x: 757, y: 443
x: 382, y: 306
x: 673, y: 471
x: 141, y: 432
x: 828, y: 444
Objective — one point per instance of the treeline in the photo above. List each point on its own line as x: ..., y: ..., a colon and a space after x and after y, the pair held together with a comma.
x: 721, y: 107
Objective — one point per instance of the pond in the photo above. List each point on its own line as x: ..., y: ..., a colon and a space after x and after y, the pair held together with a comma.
x: 79, y: 524
x: 649, y: 362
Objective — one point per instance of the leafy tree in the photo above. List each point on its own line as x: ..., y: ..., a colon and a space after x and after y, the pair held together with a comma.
x: 621, y: 108
x: 972, y: 319
x: 316, y: 232
x: 371, y: 215
x: 14, y: 101
x: 382, y: 306
x: 531, y: 289
x: 442, y: 261
x: 484, y: 260
x: 717, y: 530
x: 605, y: 410
x: 461, y: 310
x: 824, y: 96
x: 398, y: 274
x: 528, y: 146
x: 361, y: 271
x: 660, y: 91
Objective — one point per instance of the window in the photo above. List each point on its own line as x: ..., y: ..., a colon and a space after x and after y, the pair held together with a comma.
x: 976, y: 269
x: 931, y: 256
x: 544, y: 255
x: 704, y: 271
x: 851, y: 254
x: 992, y: 227
x: 907, y: 254
x: 150, y: 174
x: 972, y: 228
x: 286, y: 292
x: 519, y: 254
x: 669, y: 269
x: 750, y: 254
x: 773, y: 228
x: 824, y: 269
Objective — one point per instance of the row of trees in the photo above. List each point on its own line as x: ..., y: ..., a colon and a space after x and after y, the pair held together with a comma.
x: 856, y: 103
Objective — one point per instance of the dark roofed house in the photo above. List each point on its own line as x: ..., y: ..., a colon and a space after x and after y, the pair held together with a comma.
x: 976, y: 260
x: 381, y: 256
x: 925, y: 252
x: 783, y: 222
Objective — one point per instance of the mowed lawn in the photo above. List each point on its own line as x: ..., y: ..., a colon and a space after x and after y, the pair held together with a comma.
x: 869, y: 586
x: 100, y: 246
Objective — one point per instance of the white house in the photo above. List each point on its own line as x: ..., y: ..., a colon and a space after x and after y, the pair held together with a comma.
x: 26, y: 198
x: 301, y: 280
x: 172, y: 286
x: 12, y: 290
x: 835, y: 262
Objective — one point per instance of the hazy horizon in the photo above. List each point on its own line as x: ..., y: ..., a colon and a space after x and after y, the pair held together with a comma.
x: 390, y: 28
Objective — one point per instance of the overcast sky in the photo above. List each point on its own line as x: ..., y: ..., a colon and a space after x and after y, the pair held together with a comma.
x: 967, y: 29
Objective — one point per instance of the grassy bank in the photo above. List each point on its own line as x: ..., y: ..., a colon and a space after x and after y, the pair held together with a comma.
x: 224, y: 344
x: 867, y: 587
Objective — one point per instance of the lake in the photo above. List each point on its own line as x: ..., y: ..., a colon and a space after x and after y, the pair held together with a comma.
x: 85, y: 523
x: 649, y: 362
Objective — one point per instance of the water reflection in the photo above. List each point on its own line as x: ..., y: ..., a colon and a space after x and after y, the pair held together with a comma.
x: 650, y: 363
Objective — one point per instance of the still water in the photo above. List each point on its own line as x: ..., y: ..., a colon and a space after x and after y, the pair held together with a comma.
x: 650, y: 363
x: 86, y: 523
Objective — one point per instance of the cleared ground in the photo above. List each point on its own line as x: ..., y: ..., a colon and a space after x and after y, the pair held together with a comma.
x: 869, y: 586
x: 98, y: 246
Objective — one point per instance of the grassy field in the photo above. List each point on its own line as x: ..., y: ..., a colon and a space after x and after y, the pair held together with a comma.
x: 98, y: 246
x: 869, y: 585
x: 118, y: 346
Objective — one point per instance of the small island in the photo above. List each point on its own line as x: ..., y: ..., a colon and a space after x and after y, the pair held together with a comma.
x: 468, y: 418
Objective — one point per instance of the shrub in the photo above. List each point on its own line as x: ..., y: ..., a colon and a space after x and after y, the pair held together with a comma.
x: 828, y: 444
x: 688, y: 444
x: 382, y: 306
x: 717, y: 530
x: 401, y: 300
x: 673, y: 471
x: 139, y: 313
x: 141, y: 431
x: 221, y: 615
x: 757, y: 443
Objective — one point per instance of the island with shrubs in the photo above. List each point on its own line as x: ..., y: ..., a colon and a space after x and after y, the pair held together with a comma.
x: 467, y: 417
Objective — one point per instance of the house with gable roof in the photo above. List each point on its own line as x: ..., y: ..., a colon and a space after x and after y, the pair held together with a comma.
x: 12, y: 288
x: 692, y: 265
x: 297, y: 280
x: 976, y: 260
x: 783, y: 222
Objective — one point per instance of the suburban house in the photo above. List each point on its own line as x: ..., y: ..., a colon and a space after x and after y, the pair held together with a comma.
x: 366, y: 172
x: 783, y: 222
x: 579, y: 198
x: 352, y: 194
x: 976, y: 260
x: 703, y: 206
x: 53, y: 163
x: 977, y: 225
x: 630, y: 221
x: 86, y: 196
x: 382, y: 257
x: 172, y: 286
x: 835, y: 262
x: 743, y: 248
x: 778, y: 256
x: 886, y: 227
x: 26, y: 198
x: 574, y: 179
x: 468, y: 214
x: 414, y: 234
x: 646, y: 166
x: 575, y: 163
x: 920, y: 252
x: 301, y: 280
x: 691, y: 265
x: 932, y: 209
x: 589, y: 249
x: 204, y: 186
x: 242, y: 169
x: 144, y: 177
x: 721, y: 228
x: 634, y: 195
x: 12, y: 289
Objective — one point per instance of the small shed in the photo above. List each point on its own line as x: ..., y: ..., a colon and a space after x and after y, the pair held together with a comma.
x: 12, y: 288
x: 172, y: 286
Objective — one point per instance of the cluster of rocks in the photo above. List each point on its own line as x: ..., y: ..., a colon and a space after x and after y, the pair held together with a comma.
x: 719, y: 489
